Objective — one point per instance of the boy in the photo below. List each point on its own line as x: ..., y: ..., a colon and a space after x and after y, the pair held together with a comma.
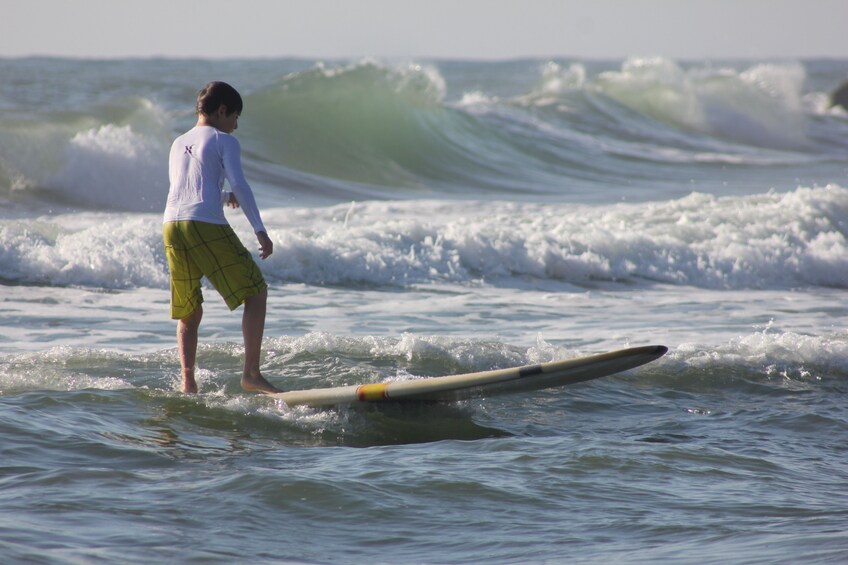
x: 199, y: 241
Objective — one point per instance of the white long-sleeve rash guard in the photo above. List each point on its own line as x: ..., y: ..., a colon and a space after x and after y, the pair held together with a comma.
x: 199, y: 162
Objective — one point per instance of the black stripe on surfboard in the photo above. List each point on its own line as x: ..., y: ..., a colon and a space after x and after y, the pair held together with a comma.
x: 529, y: 371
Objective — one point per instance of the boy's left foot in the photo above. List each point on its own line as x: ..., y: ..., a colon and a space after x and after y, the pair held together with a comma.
x: 258, y: 383
x: 189, y: 385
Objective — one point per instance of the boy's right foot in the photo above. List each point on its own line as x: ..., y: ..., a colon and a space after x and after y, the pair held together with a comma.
x: 257, y: 383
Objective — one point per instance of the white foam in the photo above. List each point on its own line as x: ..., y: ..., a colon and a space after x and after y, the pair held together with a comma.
x: 773, y: 353
x: 106, y: 160
x: 772, y: 240
x: 96, y: 250
x: 116, y: 168
x: 473, y: 354
x: 60, y: 368
x: 760, y: 106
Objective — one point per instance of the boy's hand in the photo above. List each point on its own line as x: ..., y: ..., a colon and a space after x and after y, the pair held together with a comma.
x: 266, y: 246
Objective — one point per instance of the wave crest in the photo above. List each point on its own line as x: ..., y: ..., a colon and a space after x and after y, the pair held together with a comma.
x: 366, y: 123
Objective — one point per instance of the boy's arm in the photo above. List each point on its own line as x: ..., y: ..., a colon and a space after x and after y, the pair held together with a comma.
x: 235, y: 177
x: 242, y: 194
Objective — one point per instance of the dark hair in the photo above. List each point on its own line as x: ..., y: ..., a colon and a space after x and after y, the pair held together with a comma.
x: 211, y: 96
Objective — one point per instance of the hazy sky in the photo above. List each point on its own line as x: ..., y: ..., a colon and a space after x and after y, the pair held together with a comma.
x: 487, y: 29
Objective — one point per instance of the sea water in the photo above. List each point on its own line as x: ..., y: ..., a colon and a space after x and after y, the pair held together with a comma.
x: 430, y: 218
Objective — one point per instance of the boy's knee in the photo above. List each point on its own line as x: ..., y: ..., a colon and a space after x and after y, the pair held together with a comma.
x: 194, y: 318
x: 258, y: 297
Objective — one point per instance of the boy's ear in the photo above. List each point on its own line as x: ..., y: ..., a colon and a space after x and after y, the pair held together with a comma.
x: 222, y: 110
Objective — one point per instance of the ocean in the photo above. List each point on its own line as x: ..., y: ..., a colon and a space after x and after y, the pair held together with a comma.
x: 432, y: 218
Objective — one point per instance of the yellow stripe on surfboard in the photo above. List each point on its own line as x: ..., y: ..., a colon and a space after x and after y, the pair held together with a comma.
x: 372, y: 392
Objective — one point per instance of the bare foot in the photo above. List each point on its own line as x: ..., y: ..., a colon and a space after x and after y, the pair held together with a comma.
x: 257, y: 383
x: 189, y: 384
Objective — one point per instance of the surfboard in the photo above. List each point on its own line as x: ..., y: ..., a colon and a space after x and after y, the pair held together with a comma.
x: 482, y: 384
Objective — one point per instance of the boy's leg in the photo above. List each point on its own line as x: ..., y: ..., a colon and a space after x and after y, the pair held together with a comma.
x: 186, y: 298
x: 232, y: 271
x: 253, y: 328
x: 187, y: 345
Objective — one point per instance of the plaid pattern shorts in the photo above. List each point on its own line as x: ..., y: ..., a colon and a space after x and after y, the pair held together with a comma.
x: 198, y: 249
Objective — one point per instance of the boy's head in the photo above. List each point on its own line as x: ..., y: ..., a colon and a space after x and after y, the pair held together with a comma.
x: 215, y: 94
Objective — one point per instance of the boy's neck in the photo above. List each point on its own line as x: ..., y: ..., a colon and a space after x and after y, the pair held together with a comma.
x: 220, y: 120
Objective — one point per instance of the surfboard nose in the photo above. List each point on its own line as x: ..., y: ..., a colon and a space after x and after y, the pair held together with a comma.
x: 656, y: 350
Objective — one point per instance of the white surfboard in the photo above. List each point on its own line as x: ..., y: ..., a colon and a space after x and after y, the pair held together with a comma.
x: 486, y: 383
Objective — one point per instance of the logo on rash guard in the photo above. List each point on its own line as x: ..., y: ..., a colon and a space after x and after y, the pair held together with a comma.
x: 188, y: 149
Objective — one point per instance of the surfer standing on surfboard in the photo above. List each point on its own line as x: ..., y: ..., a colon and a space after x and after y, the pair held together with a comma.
x: 200, y: 242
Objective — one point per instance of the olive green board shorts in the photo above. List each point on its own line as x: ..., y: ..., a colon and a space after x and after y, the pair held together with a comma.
x: 198, y: 249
